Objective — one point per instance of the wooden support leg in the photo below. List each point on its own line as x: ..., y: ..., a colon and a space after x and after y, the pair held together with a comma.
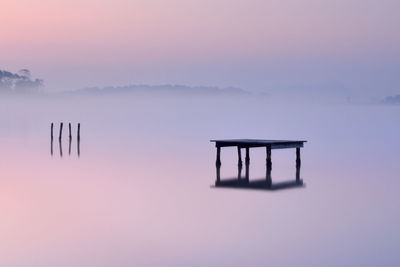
x: 240, y: 163
x: 218, y: 161
x: 269, y: 167
x: 269, y: 159
x: 247, y: 160
x: 218, y: 164
x: 298, y: 158
x: 298, y: 165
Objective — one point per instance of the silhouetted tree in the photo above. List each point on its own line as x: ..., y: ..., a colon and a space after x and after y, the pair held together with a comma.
x: 21, y: 82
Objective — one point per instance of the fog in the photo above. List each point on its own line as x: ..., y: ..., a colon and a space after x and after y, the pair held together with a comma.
x: 141, y: 192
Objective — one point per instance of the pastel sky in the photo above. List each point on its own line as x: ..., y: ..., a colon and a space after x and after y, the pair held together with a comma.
x: 258, y: 45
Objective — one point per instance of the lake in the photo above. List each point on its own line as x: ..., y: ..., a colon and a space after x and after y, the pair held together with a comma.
x: 141, y: 191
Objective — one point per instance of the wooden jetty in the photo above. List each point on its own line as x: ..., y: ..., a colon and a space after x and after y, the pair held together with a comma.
x: 257, y: 143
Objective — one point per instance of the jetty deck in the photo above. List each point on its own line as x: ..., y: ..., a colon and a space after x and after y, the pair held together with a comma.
x: 247, y: 144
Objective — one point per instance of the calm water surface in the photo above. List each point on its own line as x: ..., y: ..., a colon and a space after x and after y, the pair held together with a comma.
x: 141, y: 191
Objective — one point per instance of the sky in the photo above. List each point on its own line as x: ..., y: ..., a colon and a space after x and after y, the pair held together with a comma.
x: 298, y: 46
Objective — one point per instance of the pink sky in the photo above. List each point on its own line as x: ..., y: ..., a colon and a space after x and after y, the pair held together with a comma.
x: 223, y: 42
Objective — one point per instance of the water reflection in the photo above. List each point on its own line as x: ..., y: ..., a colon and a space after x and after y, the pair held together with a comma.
x: 60, y: 145
x: 51, y: 146
x: 61, y: 148
x: 69, y: 145
x: 79, y: 146
x: 263, y: 183
x: 240, y: 168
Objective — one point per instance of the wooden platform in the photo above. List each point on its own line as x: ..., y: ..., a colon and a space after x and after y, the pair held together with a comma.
x: 254, y: 143
x: 274, y: 144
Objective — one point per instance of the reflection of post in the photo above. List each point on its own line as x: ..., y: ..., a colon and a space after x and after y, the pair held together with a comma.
x: 69, y: 127
x: 247, y: 172
x: 240, y: 163
x: 240, y: 172
x: 52, y: 126
x: 79, y: 139
x: 79, y: 146
x: 298, y: 174
x: 218, y: 164
x: 51, y: 146
x: 69, y: 146
x: 218, y: 175
x: 247, y: 160
x: 269, y: 177
x: 60, y: 145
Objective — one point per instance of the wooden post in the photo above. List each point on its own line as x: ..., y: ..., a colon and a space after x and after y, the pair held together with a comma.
x: 69, y: 127
x: 298, y: 159
x: 269, y: 159
x: 52, y: 126
x: 79, y: 131
x: 61, y: 128
x: 240, y: 163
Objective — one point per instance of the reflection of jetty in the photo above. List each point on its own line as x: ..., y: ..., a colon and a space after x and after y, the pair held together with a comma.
x: 253, y: 143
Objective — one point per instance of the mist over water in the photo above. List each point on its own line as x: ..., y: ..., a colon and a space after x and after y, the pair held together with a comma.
x: 141, y: 191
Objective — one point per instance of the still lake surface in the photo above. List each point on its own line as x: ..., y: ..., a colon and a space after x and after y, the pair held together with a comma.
x: 141, y: 193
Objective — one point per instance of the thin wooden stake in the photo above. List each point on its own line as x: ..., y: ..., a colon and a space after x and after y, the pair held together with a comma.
x: 61, y: 128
